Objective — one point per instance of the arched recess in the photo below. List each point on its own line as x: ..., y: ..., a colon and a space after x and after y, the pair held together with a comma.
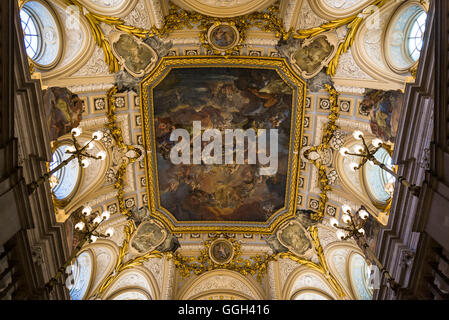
x: 221, y: 295
x: 310, y: 294
x: 106, y: 255
x: 353, y: 183
x: 224, y: 9
x: 337, y: 9
x: 136, y: 277
x: 83, y: 271
x: 221, y: 282
x: 305, y: 278
x: 337, y: 256
x: 130, y: 294
x: 92, y: 177
x: 113, y: 8
x: 358, y: 275
x: 368, y: 51
x: 78, y: 43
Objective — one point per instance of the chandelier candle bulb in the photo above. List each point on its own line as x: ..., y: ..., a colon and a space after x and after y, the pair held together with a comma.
x: 97, y: 135
x: 93, y: 238
x: 69, y: 269
x: 79, y: 226
x: 69, y: 282
x: 76, y: 131
x: 363, y: 214
x: 101, y: 155
x: 343, y: 151
x: 109, y: 232
x: 361, y: 230
x: 377, y: 143
x: 105, y: 215
x: 346, y: 218
x: 346, y: 208
x: 87, y: 211
x: 70, y: 149
x: 333, y: 222
x: 341, y: 235
x: 97, y: 219
x: 358, y: 149
x: 353, y: 166
x: 85, y: 163
x: 358, y: 135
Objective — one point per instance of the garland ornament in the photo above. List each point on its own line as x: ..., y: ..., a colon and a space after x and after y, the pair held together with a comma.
x: 177, y: 19
x: 255, y: 266
x: 117, y: 135
x: 220, y: 252
x: 328, y: 133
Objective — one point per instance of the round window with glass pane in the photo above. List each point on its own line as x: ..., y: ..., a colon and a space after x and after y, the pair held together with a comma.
x: 66, y: 179
x: 379, y: 183
x: 32, y: 33
x: 415, y: 35
x: 42, y: 33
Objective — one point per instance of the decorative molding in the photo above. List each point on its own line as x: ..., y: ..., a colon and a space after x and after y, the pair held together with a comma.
x: 224, y: 8
x: 95, y: 66
x: 138, y: 17
x: 156, y: 11
x: 307, y: 17
x: 91, y: 87
x: 119, y: 8
x: 348, y: 68
x: 353, y: 90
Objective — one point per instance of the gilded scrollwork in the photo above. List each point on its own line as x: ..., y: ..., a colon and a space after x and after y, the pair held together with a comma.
x: 94, y: 20
x: 326, y: 139
x: 116, y: 133
x: 178, y: 19
x: 352, y: 23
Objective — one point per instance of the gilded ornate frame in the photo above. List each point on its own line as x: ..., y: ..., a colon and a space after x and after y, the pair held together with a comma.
x: 286, y: 73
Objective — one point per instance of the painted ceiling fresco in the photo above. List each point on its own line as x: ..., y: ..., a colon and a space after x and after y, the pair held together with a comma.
x: 222, y: 99
x: 244, y: 173
x: 138, y: 72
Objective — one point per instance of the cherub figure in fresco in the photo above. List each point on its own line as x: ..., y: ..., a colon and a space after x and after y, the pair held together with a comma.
x: 384, y: 108
x: 272, y: 92
x: 63, y: 110
x: 223, y: 36
x: 164, y: 128
x: 228, y: 96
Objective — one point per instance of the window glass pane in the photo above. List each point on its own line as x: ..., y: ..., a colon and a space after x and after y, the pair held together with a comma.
x: 67, y: 176
x: 415, y: 36
x: 32, y: 37
x: 377, y: 178
x: 42, y: 33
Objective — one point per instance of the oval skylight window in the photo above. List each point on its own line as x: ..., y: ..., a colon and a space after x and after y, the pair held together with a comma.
x: 42, y: 34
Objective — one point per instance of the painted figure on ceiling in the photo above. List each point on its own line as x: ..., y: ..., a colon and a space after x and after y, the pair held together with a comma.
x: 63, y: 110
x: 221, y: 99
x: 384, y: 108
x: 136, y: 56
x: 310, y: 57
